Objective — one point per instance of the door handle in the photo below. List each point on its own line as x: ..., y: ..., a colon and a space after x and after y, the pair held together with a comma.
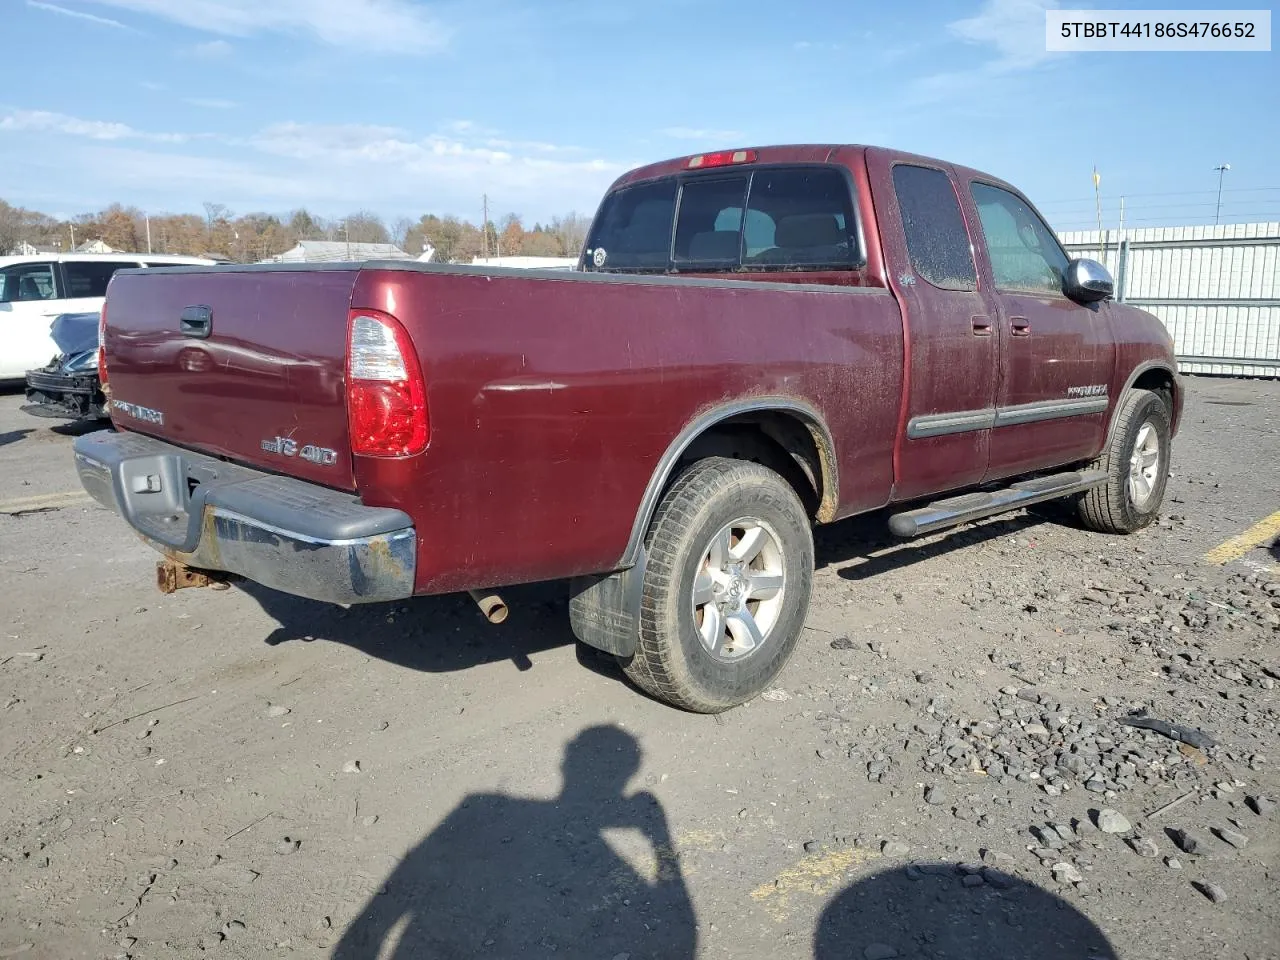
x: 982, y: 326
x: 196, y: 321
x: 1020, y: 327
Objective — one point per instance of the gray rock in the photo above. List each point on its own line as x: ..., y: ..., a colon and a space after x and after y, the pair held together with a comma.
x: 998, y: 879
x: 1212, y: 891
x: 1237, y: 840
x: 1112, y: 821
x: 935, y: 794
x: 894, y: 848
x: 1262, y: 806
x: 1096, y: 786
x: 1144, y: 847
x: 1065, y: 872
x: 1187, y: 842
x: 879, y: 951
x: 1173, y: 863
x: 276, y: 710
x: 287, y: 846
x: 370, y: 820
x: 351, y: 766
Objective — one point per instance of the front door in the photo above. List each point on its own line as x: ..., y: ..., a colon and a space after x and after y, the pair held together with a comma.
x: 1056, y: 355
x: 28, y: 303
x: 949, y: 324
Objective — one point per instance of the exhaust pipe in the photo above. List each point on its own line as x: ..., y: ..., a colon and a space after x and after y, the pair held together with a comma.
x: 491, y: 605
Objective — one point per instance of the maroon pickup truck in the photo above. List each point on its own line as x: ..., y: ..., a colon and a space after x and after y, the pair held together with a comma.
x: 754, y: 341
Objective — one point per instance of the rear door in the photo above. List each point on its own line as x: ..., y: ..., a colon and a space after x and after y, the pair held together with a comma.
x: 29, y: 301
x: 1057, y: 355
x: 257, y: 374
x: 951, y: 349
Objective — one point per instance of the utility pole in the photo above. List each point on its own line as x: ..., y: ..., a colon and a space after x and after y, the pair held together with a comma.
x: 484, y: 230
x: 148, y: 219
x: 1217, y: 213
x: 73, y: 235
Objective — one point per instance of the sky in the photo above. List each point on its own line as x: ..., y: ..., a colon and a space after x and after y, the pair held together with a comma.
x: 406, y: 107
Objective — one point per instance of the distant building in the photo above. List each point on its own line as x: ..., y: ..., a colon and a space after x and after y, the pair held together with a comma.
x: 25, y: 249
x: 96, y: 246
x: 332, y: 251
x: 527, y: 263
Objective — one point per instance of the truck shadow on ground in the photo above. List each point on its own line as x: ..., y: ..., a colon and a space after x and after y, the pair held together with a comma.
x: 447, y: 633
x: 927, y: 911
x: 507, y: 876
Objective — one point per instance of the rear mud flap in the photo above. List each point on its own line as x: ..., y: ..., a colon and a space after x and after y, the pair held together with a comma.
x: 604, y: 610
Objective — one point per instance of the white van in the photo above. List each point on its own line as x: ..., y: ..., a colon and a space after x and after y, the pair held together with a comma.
x: 36, y: 288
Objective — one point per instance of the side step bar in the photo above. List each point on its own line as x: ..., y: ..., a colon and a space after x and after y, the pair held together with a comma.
x: 974, y: 506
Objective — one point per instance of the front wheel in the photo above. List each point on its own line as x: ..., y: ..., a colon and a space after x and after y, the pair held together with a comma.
x: 726, y: 587
x: 1137, y: 465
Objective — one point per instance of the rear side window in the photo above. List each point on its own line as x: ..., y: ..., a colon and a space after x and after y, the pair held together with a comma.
x: 800, y: 218
x: 633, y: 229
x: 937, y: 240
x: 24, y: 282
x: 90, y: 278
x: 774, y: 218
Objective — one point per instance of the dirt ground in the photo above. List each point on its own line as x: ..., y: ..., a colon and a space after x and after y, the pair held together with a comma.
x: 939, y: 773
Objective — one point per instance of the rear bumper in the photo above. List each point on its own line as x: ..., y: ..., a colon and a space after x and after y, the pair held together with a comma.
x: 284, y: 533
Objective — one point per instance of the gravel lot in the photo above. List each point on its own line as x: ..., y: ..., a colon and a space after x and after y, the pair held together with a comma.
x: 940, y: 772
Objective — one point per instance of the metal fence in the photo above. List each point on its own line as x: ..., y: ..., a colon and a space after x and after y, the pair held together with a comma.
x: 1216, y: 288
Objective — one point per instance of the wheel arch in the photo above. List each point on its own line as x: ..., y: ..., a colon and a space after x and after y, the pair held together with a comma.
x: 792, y: 429
x: 1161, y: 379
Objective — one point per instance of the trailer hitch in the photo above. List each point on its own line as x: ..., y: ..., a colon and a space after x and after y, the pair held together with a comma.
x: 172, y: 576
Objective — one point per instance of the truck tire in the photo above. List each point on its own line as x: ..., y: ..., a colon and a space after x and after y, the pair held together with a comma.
x: 726, y: 586
x: 1137, y: 463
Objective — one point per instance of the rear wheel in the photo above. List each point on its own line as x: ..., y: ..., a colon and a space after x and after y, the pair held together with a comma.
x: 726, y: 586
x: 1137, y: 464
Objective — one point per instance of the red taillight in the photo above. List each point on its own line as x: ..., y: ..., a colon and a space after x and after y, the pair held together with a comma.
x: 386, y: 396
x: 102, y: 349
x: 725, y: 158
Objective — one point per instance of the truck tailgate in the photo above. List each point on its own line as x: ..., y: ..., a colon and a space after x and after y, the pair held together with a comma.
x: 266, y: 385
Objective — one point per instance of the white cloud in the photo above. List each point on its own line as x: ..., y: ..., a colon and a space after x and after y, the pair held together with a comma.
x: 213, y: 50
x: 210, y: 103
x: 1015, y: 28
x: 76, y: 14
x: 48, y: 122
x: 330, y: 167
x: 390, y: 26
x: 695, y: 133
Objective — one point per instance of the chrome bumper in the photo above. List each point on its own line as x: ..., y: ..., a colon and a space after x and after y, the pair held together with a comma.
x: 284, y: 533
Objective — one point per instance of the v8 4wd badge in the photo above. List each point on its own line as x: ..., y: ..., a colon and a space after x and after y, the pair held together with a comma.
x: 286, y: 447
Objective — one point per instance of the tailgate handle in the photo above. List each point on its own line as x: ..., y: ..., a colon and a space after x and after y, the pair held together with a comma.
x: 196, y: 322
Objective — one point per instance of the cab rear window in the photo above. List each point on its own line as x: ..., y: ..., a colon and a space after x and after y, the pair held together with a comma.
x: 779, y: 218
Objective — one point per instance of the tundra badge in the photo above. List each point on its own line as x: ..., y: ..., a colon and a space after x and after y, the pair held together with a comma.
x: 321, y: 456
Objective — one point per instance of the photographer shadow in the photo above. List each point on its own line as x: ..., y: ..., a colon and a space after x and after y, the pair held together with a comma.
x: 506, y: 876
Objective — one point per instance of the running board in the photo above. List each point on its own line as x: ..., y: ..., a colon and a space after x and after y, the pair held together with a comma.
x: 975, y: 506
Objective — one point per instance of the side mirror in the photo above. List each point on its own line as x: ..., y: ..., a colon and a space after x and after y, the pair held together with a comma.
x: 1087, y: 281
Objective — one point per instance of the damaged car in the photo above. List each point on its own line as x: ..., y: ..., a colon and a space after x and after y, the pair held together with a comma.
x: 68, y: 387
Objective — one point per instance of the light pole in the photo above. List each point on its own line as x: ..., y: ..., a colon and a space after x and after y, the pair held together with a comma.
x: 1222, y: 168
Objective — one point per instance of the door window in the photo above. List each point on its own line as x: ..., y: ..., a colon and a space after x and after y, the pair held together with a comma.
x: 937, y: 239
x: 89, y: 278
x: 1025, y: 255
x: 24, y: 282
